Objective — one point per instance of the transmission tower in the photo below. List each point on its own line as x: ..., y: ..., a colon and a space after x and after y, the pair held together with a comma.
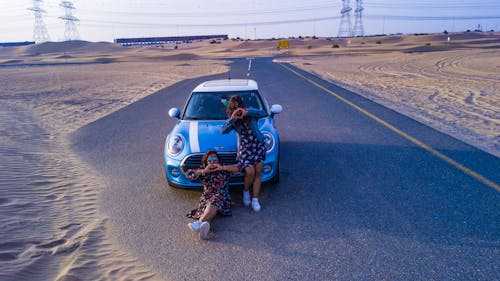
x: 345, y: 28
x: 40, y: 33
x: 70, y: 32
x: 359, y: 30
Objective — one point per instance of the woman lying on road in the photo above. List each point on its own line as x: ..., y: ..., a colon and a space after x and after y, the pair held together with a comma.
x: 215, y: 198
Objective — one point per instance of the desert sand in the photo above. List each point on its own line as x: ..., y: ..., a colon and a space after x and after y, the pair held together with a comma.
x: 50, y: 90
x: 52, y: 228
x: 449, y: 85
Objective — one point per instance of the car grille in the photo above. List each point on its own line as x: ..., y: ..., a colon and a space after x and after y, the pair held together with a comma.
x: 193, y: 161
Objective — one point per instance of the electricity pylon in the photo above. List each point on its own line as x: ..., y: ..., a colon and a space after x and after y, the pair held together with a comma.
x: 359, y: 30
x: 345, y: 28
x: 40, y: 33
x: 70, y: 32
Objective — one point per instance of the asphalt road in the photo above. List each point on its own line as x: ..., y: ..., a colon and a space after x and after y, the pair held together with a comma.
x: 356, y: 200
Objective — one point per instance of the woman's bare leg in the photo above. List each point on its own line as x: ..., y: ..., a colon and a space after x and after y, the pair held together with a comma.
x: 249, y: 177
x: 209, y: 213
x: 257, y: 182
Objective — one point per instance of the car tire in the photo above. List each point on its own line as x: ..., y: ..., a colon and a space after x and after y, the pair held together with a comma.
x: 276, y: 178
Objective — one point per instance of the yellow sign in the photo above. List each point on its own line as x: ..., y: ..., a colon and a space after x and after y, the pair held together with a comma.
x: 284, y: 44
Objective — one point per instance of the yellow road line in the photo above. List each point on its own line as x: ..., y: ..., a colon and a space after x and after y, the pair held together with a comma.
x: 403, y: 134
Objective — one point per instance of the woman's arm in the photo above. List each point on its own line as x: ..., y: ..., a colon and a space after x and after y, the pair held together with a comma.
x: 236, y: 168
x: 228, y: 126
x: 256, y: 113
x: 235, y: 116
x: 194, y: 174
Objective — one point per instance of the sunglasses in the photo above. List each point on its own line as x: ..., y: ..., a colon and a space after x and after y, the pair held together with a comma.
x: 212, y: 159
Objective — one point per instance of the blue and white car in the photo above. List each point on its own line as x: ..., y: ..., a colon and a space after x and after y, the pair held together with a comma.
x: 198, y: 129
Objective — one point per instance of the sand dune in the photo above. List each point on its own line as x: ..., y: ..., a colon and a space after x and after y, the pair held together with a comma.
x: 455, y: 92
x: 52, y: 228
x: 70, y: 47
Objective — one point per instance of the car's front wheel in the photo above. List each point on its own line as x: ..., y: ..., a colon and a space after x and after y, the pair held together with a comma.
x: 276, y: 178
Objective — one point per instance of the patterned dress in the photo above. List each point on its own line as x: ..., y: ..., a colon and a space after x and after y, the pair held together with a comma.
x: 251, y: 151
x: 215, y: 192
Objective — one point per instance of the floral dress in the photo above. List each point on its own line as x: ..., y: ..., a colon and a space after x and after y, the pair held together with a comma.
x: 251, y: 151
x: 215, y: 192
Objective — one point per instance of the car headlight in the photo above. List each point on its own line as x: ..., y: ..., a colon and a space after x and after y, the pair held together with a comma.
x: 175, y: 144
x: 268, y: 141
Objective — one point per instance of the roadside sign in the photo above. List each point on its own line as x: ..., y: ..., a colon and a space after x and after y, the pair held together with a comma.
x: 284, y: 44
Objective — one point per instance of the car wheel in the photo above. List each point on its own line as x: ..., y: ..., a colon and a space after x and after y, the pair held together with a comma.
x: 276, y: 178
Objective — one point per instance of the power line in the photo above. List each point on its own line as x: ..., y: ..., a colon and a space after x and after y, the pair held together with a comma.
x: 260, y: 23
x: 146, y: 24
x: 197, y: 15
x: 157, y: 19
x: 433, y: 5
x: 432, y: 18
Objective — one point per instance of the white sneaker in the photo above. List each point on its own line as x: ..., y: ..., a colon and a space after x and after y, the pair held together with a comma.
x: 194, y: 226
x: 246, y: 198
x: 204, y: 229
x: 255, y: 204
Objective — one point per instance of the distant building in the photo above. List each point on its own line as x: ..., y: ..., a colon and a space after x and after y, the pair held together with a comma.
x: 15, y: 44
x: 164, y: 40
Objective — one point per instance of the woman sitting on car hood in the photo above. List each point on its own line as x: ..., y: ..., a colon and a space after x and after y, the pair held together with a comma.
x: 251, y: 150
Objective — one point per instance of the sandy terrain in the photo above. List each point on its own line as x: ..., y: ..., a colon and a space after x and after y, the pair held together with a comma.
x: 52, y: 89
x: 449, y: 85
x: 454, y: 91
x: 102, y: 79
x: 52, y: 226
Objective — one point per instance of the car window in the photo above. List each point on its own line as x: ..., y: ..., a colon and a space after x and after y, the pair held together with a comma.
x: 205, y: 106
x: 212, y: 105
x: 251, y: 99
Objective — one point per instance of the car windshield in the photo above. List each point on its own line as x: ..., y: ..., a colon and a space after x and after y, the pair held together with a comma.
x: 212, y: 105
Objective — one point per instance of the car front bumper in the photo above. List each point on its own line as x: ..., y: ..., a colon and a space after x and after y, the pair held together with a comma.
x: 174, y: 169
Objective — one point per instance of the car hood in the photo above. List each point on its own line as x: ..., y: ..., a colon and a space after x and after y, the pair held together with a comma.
x: 204, y: 135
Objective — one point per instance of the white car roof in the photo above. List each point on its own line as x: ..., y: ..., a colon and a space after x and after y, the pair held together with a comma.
x: 226, y: 85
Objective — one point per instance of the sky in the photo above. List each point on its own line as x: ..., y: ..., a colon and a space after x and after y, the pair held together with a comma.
x: 105, y: 20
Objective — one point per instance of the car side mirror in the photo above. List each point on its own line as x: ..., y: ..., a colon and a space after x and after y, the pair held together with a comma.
x: 276, y: 109
x: 174, y: 113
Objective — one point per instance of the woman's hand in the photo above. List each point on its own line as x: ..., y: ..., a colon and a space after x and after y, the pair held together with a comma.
x: 213, y: 167
x: 239, y: 113
x: 217, y: 167
x: 236, y: 114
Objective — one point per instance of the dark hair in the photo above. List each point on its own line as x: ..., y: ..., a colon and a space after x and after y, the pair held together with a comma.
x: 236, y: 102
x: 205, y: 157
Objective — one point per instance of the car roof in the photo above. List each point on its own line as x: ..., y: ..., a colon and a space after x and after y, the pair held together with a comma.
x: 227, y: 85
